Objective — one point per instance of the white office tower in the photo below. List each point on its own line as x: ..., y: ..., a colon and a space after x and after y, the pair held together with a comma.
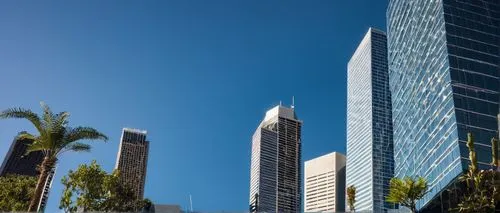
x: 324, y: 183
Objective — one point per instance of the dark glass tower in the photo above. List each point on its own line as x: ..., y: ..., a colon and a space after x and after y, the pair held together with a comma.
x: 17, y: 162
x: 444, y: 78
x: 275, y: 177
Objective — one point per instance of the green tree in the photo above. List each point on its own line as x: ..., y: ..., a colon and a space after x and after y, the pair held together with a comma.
x: 90, y: 188
x: 407, y: 191
x: 351, y: 197
x: 16, y: 192
x: 482, y: 186
x: 147, y: 205
x: 54, y: 137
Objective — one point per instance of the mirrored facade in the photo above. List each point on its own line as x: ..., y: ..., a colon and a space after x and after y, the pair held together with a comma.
x: 370, y: 160
x: 444, y: 72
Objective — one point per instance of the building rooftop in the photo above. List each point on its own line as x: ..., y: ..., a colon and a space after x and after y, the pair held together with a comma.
x: 280, y: 111
x: 273, y: 114
x: 138, y: 131
x: 325, y: 156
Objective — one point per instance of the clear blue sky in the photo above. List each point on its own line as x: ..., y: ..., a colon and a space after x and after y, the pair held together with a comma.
x: 198, y: 75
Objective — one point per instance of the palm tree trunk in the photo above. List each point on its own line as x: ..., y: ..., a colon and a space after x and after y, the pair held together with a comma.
x: 46, y: 167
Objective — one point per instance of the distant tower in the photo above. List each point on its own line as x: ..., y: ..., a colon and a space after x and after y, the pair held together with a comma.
x: 370, y: 163
x: 275, y: 179
x: 132, y: 159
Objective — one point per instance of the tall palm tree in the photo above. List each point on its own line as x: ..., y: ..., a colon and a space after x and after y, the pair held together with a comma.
x: 54, y: 138
x: 407, y: 191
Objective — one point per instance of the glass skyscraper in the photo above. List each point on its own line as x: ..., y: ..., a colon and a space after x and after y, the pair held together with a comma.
x: 275, y: 176
x: 18, y: 162
x: 370, y: 163
x: 444, y: 77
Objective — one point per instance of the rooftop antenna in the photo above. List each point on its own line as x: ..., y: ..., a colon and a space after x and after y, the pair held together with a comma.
x: 293, y: 102
x: 280, y: 103
x: 191, y: 203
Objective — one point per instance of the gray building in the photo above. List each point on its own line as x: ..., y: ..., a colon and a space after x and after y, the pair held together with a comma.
x: 275, y: 178
x: 132, y: 159
x: 370, y: 162
x: 444, y: 77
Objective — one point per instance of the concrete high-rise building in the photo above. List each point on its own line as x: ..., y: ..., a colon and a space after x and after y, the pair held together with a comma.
x: 324, y: 183
x: 132, y: 159
x: 275, y: 179
x: 370, y: 162
x: 18, y: 162
x: 444, y: 76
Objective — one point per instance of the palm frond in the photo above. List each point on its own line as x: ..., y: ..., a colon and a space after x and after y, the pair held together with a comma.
x: 420, y: 188
x: 58, y: 129
x: 25, y: 136
x: 26, y: 114
x: 78, y: 147
x: 60, y: 120
x: 47, y: 113
x: 82, y: 133
x: 407, y: 191
x: 36, y: 146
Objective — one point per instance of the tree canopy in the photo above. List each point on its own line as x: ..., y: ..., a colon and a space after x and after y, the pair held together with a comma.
x: 16, y: 192
x: 90, y: 188
x: 407, y: 191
